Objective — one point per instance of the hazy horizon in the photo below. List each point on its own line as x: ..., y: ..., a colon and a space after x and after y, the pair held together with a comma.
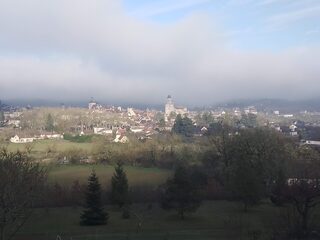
x: 200, y: 51
x: 311, y: 104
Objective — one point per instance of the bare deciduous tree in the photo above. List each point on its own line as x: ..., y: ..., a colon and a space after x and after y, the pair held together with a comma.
x: 21, y: 182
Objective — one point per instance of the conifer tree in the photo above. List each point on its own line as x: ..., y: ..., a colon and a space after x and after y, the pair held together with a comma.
x: 94, y: 213
x: 49, y: 124
x: 119, y: 186
x: 1, y: 116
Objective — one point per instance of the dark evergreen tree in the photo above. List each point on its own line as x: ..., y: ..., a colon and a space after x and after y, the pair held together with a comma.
x: 1, y: 119
x: 94, y: 213
x: 181, y: 193
x: 1, y: 116
x: 49, y: 125
x: 119, y: 186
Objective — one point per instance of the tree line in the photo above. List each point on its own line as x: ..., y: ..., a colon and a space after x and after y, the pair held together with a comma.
x: 244, y: 165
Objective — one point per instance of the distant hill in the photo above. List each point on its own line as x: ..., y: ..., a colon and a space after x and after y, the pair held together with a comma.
x: 76, y: 103
x: 285, y: 106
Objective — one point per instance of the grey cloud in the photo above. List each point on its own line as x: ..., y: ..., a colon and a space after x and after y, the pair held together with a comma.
x: 77, y: 49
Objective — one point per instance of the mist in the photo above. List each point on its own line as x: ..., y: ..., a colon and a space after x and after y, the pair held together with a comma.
x: 74, y: 50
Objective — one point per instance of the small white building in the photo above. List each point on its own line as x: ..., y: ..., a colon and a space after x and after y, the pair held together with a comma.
x: 204, y: 130
x: 310, y: 142
x: 293, y: 127
x: 136, y: 129
x: 121, y: 139
x: 13, y: 122
x: 52, y: 136
x: 251, y: 110
x: 131, y: 113
x: 17, y: 139
x: 102, y: 131
x: 278, y: 128
x: 293, y: 133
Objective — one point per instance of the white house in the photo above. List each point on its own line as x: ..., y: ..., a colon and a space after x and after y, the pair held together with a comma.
x: 53, y: 136
x: 293, y: 127
x: 136, y: 129
x: 16, y: 139
x: 293, y: 133
x: 102, y: 131
x: 204, y: 130
x: 131, y: 113
x: 276, y: 112
x: 13, y: 122
x: 309, y: 142
x: 121, y: 139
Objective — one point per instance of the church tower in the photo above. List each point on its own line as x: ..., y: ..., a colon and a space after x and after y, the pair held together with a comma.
x: 169, y: 107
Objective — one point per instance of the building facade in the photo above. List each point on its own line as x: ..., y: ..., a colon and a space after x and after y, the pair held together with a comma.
x: 170, y: 108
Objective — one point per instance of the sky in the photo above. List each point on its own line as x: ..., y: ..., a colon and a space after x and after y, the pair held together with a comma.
x: 199, y: 51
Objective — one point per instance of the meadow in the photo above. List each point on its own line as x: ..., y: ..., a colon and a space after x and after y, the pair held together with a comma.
x: 214, y: 220
x: 137, y: 176
x: 41, y: 146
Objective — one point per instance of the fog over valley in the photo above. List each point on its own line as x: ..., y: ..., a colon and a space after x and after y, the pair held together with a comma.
x: 72, y: 50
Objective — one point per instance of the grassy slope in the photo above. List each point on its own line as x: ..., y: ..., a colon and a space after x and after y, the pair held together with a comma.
x: 67, y: 174
x: 214, y: 220
x: 60, y: 145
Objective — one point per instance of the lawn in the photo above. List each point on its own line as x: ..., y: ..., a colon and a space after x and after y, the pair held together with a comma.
x: 59, y: 145
x: 137, y: 176
x: 214, y: 220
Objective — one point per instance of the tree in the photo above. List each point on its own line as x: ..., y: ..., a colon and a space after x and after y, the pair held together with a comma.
x: 246, y: 183
x: 29, y: 147
x: 183, y: 126
x: 49, y: 125
x: 102, y: 152
x: 204, y: 119
x: 249, y: 120
x: 74, y: 155
x: 255, y: 157
x: 181, y: 194
x: 279, y: 188
x: 94, y: 213
x: 1, y: 116
x: 302, y: 192
x: 162, y: 123
x: 21, y: 182
x: 119, y: 186
x: 304, y: 196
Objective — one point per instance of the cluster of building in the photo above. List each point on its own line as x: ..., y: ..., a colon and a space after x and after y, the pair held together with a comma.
x: 144, y: 124
x: 26, y: 139
x: 141, y: 123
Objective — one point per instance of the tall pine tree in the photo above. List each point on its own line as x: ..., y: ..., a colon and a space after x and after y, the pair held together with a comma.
x: 94, y: 213
x: 119, y: 186
x: 49, y: 124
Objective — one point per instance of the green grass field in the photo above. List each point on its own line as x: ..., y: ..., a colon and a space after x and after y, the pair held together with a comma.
x: 214, y: 220
x: 137, y: 176
x: 59, y: 145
